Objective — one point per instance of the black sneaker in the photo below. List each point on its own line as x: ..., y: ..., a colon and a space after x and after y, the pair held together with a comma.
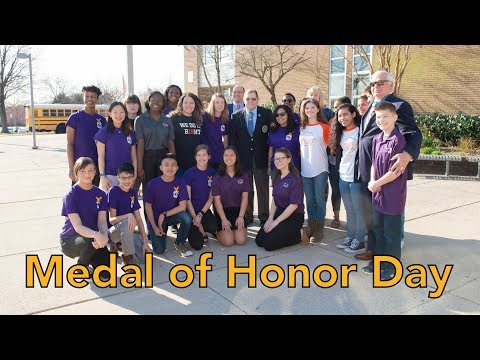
x: 182, y: 249
x: 345, y: 243
x: 386, y: 274
x: 355, y: 247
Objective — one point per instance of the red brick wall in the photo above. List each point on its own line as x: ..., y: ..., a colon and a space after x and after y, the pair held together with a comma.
x: 439, y: 78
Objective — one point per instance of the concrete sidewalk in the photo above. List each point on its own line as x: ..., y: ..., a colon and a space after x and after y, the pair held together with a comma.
x: 442, y: 218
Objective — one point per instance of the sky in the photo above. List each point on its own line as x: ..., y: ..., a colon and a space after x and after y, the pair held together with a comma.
x: 154, y: 66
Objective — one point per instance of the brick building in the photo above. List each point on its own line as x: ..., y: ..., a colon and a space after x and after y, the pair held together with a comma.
x: 438, y: 78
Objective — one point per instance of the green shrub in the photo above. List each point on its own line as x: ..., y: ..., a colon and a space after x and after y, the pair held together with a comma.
x: 450, y: 128
x: 430, y: 151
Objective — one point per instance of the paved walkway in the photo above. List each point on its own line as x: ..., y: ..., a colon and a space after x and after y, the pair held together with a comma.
x: 441, y: 227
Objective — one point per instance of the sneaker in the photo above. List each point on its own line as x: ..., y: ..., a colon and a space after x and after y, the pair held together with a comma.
x: 355, y: 247
x: 368, y: 269
x: 386, y: 275
x: 182, y: 249
x: 174, y: 229
x: 345, y: 243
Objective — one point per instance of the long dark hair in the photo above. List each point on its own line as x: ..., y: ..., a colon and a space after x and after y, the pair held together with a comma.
x: 291, y: 168
x: 125, y: 127
x: 222, y: 168
x: 336, y: 128
x: 291, y: 123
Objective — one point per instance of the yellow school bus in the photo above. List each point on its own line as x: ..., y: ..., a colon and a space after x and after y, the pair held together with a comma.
x: 53, y: 117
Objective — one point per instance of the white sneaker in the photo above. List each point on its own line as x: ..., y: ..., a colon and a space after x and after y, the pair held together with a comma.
x: 182, y: 249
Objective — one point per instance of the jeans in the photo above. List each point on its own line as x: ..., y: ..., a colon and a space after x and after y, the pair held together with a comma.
x: 314, y: 189
x: 387, y: 232
x: 352, y: 197
x: 159, y: 243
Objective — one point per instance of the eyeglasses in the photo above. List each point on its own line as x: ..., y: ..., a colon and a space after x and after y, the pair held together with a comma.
x: 287, y: 101
x: 251, y: 99
x: 378, y: 83
x: 156, y: 100
x: 279, y: 158
x: 125, y: 177
x: 280, y: 114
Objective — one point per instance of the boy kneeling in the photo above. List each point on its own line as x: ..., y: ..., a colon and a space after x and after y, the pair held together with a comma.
x: 125, y: 215
x: 165, y: 200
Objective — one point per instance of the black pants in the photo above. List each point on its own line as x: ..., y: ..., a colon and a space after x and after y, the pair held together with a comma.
x: 284, y: 234
x: 195, y: 237
x: 82, y: 247
x: 367, y: 209
x: 151, y: 164
x: 261, y: 185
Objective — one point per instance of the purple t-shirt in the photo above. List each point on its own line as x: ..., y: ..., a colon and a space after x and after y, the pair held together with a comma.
x: 117, y: 148
x: 164, y: 196
x: 391, y: 199
x: 288, y: 190
x: 212, y: 136
x: 230, y: 189
x: 86, y: 126
x: 87, y: 204
x: 124, y: 202
x: 280, y: 138
x: 167, y: 110
x: 200, y: 182
x: 296, y: 116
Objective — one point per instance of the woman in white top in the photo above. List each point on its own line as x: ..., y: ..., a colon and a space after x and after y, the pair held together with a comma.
x: 344, y: 143
x: 314, y: 137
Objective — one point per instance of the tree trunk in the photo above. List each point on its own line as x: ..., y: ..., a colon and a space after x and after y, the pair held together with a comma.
x: 3, y: 117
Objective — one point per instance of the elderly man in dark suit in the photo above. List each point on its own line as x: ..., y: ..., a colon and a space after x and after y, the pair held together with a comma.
x: 237, y: 93
x: 249, y: 133
x: 382, y: 84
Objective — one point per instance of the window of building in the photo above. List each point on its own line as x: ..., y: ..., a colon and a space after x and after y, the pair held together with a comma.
x: 226, y: 56
x: 336, y: 85
x: 362, y: 54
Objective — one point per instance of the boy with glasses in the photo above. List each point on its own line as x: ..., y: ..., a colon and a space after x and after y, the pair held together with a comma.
x: 125, y: 216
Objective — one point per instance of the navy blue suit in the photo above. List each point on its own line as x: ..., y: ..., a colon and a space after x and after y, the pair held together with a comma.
x: 230, y: 109
x: 253, y: 151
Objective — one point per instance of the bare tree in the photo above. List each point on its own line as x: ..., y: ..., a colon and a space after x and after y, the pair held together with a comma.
x: 14, y: 77
x: 317, y: 68
x: 59, y: 89
x: 211, y: 60
x: 110, y: 93
x: 269, y: 64
x: 392, y: 58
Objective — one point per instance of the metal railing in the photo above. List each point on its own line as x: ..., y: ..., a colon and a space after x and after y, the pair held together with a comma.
x: 448, y: 158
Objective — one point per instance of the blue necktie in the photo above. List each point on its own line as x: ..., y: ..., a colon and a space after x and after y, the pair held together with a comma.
x: 250, y: 123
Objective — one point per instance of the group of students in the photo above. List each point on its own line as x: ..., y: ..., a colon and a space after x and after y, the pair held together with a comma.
x: 180, y: 189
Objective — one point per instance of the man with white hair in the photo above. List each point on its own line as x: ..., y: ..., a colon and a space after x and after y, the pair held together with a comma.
x: 382, y: 85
